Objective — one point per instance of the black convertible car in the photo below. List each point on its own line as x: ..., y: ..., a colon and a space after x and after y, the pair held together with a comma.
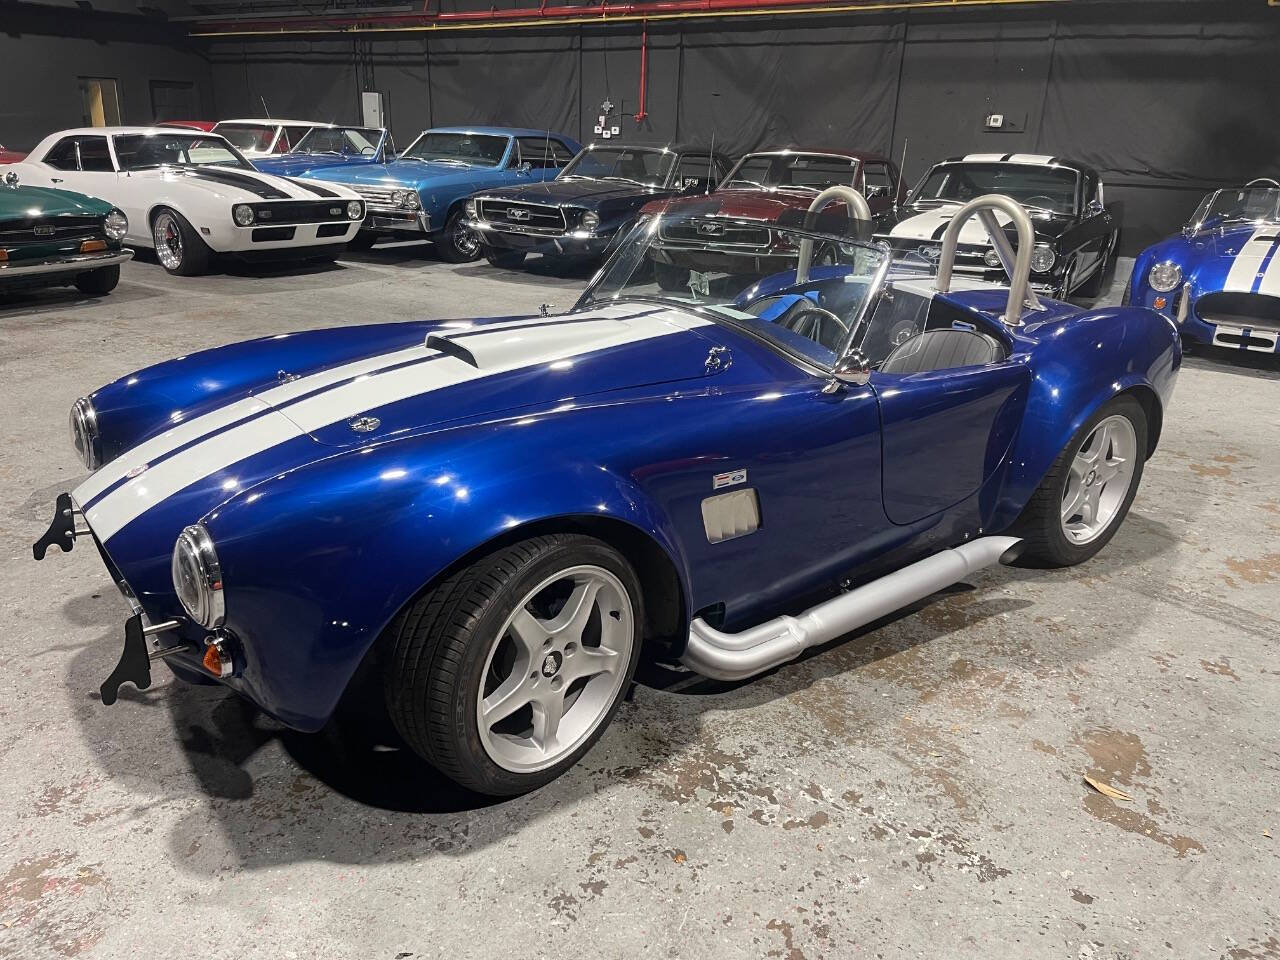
x: 1077, y: 232
x: 596, y: 195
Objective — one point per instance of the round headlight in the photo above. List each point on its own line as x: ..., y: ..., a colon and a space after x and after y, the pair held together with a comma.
x: 1043, y: 258
x: 84, y: 432
x: 469, y: 209
x: 590, y: 220
x: 116, y: 225
x: 355, y: 210
x: 411, y: 199
x: 991, y: 259
x: 197, y: 577
x: 1164, y: 276
x: 243, y: 214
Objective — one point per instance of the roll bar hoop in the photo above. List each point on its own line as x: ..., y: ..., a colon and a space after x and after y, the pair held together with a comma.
x: 857, y: 204
x: 1017, y: 264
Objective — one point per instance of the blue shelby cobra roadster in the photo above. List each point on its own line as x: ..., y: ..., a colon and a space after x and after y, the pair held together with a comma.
x: 497, y: 517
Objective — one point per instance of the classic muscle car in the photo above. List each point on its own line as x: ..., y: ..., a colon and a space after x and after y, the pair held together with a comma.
x: 262, y: 138
x: 50, y: 237
x: 325, y: 148
x: 590, y: 202
x: 1220, y: 278
x: 10, y: 156
x: 191, y: 195
x: 773, y: 186
x: 1077, y: 232
x: 498, y: 517
x: 205, y: 125
x: 421, y: 193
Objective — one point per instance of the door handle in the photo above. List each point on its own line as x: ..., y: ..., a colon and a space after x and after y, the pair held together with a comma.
x: 55, y: 179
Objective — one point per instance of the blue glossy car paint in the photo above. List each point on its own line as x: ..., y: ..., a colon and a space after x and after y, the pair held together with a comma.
x: 442, y: 187
x: 603, y: 416
x: 319, y: 166
x: 1211, y: 259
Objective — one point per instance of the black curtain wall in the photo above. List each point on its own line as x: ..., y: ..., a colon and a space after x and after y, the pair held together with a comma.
x: 1166, y: 99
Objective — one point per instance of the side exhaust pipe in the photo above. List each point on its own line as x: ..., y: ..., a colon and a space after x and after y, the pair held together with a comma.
x: 733, y: 656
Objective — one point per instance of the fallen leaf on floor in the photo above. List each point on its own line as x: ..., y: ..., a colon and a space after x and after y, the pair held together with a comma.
x: 1107, y: 790
x: 1267, y: 834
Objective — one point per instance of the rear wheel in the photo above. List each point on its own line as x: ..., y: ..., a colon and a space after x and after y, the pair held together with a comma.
x: 458, y: 243
x: 504, y: 674
x: 506, y: 259
x: 97, y: 283
x: 178, y: 247
x: 1086, y: 494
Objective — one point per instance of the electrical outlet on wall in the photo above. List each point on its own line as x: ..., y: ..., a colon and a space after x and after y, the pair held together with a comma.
x: 1004, y: 123
x: 995, y: 121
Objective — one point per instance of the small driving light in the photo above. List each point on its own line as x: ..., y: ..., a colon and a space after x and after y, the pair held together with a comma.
x: 471, y: 210
x: 991, y: 259
x: 83, y: 421
x: 1043, y: 258
x: 243, y: 214
x: 590, y: 220
x: 216, y: 659
x: 92, y: 246
x: 1165, y: 276
x: 355, y: 210
x: 116, y: 225
x: 197, y: 577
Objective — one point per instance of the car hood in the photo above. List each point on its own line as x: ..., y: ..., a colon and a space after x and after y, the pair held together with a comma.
x: 768, y: 205
x: 28, y: 202
x: 459, y: 375
x: 234, y: 184
x: 405, y: 173
x: 929, y: 223
x: 581, y: 192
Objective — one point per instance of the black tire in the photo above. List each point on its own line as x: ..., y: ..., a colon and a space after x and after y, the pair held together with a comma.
x: 434, y: 656
x: 670, y: 277
x: 363, y: 240
x: 192, y: 259
x: 1045, y: 544
x: 458, y: 243
x: 100, y: 282
x: 503, y: 258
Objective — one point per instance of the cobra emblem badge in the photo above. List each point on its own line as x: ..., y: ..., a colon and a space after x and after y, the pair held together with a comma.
x: 551, y: 664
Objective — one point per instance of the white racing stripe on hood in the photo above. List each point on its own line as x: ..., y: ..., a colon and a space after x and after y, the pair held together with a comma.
x: 926, y: 225
x: 1270, y: 282
x: 1248, y: 260
x: 139, y: 494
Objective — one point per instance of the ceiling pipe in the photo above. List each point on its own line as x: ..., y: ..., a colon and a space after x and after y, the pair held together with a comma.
x: 549, y: 15
x: 644, y: 71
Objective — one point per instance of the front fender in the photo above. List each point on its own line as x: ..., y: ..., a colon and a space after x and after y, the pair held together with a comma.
x: 318, y: 561
x: 1078, y: 364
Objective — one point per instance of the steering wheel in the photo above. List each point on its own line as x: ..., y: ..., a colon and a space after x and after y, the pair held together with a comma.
x: 1261, y: 182
x: 793, y: 320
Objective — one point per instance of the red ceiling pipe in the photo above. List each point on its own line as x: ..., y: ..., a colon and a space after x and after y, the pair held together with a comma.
x: 644, y: 69
x: 550, y: 14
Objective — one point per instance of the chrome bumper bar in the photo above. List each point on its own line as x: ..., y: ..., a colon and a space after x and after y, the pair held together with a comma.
x: 74, y: 264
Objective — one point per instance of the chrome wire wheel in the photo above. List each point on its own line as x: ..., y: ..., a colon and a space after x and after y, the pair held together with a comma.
x: 1098, y: 479
x: 168, y: 240
x: 556, y: 668
x: 465, y: 240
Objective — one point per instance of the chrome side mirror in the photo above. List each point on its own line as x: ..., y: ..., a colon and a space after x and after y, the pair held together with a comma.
x: 524, y: 168
x: 1095, y: 208
x: 851, y: 370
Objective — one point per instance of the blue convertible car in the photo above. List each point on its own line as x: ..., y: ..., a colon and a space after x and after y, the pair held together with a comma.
x: 498, y: 517
x: 421, y: 192
x: 1219, y: 280
x: 324, y: 149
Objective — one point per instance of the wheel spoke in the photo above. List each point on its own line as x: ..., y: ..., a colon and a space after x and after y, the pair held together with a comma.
x: 573, y: 618
x: 1075, y: 496
x: 513, y: 694
x: 591, y: 662
x: 547, y: 711
x: 529, y: 632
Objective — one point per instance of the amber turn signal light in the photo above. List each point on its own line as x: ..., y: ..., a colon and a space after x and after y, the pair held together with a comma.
x: 4, y: 256
x: 93, y: 246
x: 1159, y: 303
x: 217, y: 659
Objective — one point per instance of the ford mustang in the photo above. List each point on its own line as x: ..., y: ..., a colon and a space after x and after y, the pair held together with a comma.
x: 498, y: 517
x: 1219, y: 278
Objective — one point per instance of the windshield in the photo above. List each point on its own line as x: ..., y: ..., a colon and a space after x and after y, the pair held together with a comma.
x: 144, y: 150
x: 1243, y: 204
x: 255, y: 137
x: 743, y: 274
x: 470, y: 149
x: 792, y: 171
x: 1051, y: 189
x: 344, y: 141
x: 648, y: 168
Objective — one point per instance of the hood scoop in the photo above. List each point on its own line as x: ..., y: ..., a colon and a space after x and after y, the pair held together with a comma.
x: 453, y: 348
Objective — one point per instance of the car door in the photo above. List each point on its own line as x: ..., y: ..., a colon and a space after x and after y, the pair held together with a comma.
x: 1091, y: 236
x: 82, y: 164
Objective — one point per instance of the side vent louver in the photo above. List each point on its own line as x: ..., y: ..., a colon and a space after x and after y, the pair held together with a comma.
x: 731, y: 515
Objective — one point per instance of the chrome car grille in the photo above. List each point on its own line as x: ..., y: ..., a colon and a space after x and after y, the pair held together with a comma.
x: 525, y: 217
x: 715, y: 234
x: 1253, y: 311
x: 51, y: 231
x: 299, y: 211
x: 379, y: 195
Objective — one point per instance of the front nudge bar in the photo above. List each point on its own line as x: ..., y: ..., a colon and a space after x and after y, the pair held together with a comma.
x: 62, y: 531
x: 135, y: 660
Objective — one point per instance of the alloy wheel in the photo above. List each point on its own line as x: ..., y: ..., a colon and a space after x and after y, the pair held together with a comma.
x: 168, y: 240
x: 1098, y: 480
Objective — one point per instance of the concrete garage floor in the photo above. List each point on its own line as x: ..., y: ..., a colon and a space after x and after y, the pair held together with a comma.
x: 913, y: 792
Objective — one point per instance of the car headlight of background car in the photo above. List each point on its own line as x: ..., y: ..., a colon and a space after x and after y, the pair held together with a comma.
x: 242, y: 213
x: 116, y: 225
x: 469, y: 209
x: 197, y: 577
x: 590, y: 220
x: 992, y: 259
x: 1043, y: 258
x: 355, y: 210
x: 84, y: 432
x: 406, y: 198
x: 1164, y: 276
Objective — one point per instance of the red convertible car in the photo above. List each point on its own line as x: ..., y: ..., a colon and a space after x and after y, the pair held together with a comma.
x: 10, y: 156
x: 769, y: 187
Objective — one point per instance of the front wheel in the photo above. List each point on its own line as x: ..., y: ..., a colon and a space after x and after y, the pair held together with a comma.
x: 1086, y: 494
x: 506, y: 259
x: 458, y: 243
x: 503, y: 675
x: 178, y: 247
x: 97, y: 283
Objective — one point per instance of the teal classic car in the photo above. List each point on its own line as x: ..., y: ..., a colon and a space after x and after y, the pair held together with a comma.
x: 54, y: 237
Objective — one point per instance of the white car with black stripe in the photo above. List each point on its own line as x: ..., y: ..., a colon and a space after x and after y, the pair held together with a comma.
x: 1077, y: 231
x: 190, y: 195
